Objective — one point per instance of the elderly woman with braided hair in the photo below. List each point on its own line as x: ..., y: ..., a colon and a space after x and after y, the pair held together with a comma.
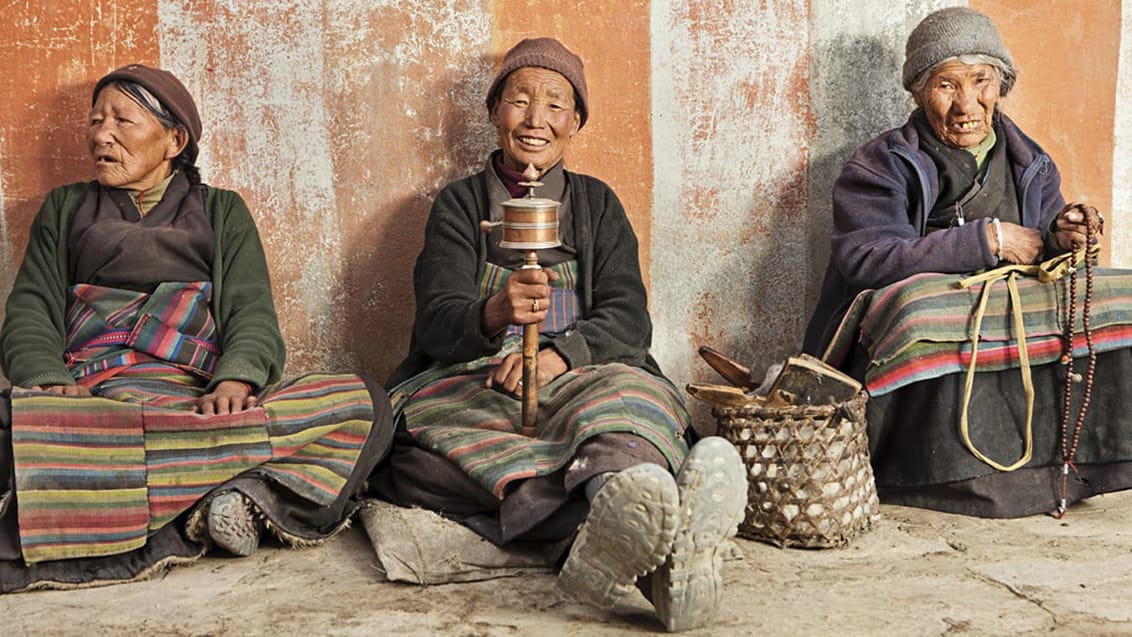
x: 957, y: 190
x: 147, y: 421
x: 598, y: 475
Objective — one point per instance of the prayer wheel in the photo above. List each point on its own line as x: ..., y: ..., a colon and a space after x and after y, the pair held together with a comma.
x: 530, y: 224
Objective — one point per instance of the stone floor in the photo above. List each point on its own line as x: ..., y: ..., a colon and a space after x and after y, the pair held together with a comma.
x: 916, y: 573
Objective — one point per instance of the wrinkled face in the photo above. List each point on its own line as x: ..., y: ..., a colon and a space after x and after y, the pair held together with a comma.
x: 535, y: 118
x: 959, y: 100
x: 130, y: 148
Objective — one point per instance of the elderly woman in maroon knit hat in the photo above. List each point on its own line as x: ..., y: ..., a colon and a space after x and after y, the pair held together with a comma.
x: 147, y: 420
x: 610, y: 425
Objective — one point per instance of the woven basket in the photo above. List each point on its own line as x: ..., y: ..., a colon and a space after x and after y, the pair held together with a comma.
x: 811, y: 484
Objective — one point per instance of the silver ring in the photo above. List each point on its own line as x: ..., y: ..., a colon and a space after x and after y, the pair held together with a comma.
x: 534, y: 306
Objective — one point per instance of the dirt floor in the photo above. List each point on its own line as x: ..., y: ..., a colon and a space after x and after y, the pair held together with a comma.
x: 916, y: 573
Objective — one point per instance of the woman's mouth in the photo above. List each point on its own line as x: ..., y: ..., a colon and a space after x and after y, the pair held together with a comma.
x: 533, y: 141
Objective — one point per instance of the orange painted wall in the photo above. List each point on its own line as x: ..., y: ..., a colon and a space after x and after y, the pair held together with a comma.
x: 1066, y: 52
x: 53, y: 56
x: 612, y: 38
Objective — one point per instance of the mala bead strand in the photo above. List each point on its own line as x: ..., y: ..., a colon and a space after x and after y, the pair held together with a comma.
x: 1069, y: 446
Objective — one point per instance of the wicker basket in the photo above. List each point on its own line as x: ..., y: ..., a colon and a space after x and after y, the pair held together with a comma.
x: 811, y: 484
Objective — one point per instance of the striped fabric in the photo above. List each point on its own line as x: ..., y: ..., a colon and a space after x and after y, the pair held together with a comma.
x: 477, y: 428
x: 564, y: 305
x: 95, y: 475
x: 919, y: 328
x: 450, y: 411
x: 109, y: 329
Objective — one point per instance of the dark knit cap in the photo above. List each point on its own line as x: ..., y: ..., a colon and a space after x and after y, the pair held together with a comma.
x: 168, y: 90
x: 948, y: 33
x: 546, y: 53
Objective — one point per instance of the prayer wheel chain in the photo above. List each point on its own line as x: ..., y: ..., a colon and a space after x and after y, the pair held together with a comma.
x: 1069, y: 441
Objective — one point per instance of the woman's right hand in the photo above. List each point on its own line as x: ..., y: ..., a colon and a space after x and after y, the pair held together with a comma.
x: 81, y: 391
x: 524, y: 298
x: 1020, y: 245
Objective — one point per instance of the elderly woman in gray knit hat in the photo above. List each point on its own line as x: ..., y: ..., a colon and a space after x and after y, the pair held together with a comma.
x: 959, y: 188
x: 147, y: 421
x: 598, y: 474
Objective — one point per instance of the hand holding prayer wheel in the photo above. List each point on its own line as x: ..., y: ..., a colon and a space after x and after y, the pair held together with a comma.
x: 524, y: 299
x: 529, y: 223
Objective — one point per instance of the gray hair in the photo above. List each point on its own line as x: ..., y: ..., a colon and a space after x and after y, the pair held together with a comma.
x: 1006, y: 73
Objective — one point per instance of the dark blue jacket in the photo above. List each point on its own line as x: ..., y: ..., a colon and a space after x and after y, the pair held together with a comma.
x: 881, y: 202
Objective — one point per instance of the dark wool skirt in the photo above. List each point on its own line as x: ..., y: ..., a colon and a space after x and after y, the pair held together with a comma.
x: 919, y: 458
x: 543, y: 509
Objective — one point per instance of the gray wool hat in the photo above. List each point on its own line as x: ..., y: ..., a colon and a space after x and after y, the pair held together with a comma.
x: 948, y: 33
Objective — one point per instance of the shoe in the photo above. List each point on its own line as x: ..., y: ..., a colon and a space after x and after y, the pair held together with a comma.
x: 712, y: 484
x: 233, y: 523
x: 628, y: 532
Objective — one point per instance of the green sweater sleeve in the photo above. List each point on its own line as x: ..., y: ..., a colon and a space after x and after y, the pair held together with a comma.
x: 32, y: 340
x: 253, y: 348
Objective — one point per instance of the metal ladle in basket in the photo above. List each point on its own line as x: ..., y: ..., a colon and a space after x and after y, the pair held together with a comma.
x: 530, y: 224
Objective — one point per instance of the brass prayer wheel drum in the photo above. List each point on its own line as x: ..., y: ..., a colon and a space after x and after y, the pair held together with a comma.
x: 530, y: 223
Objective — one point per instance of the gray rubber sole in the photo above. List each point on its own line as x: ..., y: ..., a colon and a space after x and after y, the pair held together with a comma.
x: 712, y: 484
x: 628, y: 532
x: 233, y: 524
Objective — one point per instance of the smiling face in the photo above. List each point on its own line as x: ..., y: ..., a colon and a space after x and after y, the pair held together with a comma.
x: 959, y: 101
x: 535, y: 118
x: 130, y: 148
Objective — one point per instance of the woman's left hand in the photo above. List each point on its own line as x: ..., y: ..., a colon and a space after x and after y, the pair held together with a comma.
x: 228, y: 397
x: 1071, y: 223
x: 80, y: 391
x: 508, y: 375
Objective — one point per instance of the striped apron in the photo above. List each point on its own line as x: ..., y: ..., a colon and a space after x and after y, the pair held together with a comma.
x: 94, y: 476
x: 450, y: 411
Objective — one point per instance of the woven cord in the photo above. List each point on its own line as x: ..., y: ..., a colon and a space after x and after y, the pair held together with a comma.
x: 1024, y: 362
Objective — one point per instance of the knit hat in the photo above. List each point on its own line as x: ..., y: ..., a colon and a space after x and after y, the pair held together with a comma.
x: 948, y: 33
x: 546, y: 53
x: 168, y: 90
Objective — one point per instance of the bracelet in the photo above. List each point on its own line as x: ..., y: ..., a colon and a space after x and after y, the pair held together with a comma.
x: 1000, y: 253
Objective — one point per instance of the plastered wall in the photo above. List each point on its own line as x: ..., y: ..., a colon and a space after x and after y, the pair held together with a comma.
x: 720, y: 124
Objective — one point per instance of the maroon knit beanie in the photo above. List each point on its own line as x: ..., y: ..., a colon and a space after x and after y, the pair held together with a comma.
x: 546, y: 53
x: 168, y: 90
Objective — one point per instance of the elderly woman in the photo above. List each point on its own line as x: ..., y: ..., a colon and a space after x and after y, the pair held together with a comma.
x: 610, y: 426
x: 959, y: 189
x: 147, y: 420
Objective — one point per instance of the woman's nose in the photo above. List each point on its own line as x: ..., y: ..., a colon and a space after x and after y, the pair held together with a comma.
x: 536, y: 115
x: 100, y: 133
x: 966, y: 99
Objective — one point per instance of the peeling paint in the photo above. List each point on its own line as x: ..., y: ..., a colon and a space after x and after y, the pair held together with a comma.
x: 727, y: 195
x: 266, y: 136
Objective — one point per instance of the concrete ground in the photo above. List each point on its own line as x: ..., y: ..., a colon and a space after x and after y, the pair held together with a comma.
x: 916, y: 573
